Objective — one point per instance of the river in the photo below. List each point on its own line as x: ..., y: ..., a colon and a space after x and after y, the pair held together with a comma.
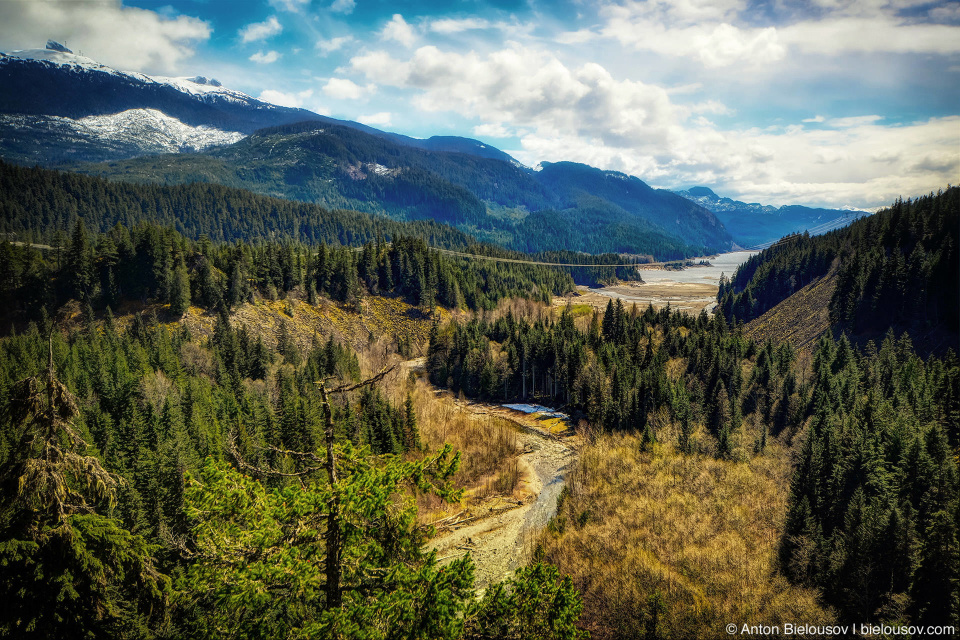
x: 725, y: 263
x: 691, y: 290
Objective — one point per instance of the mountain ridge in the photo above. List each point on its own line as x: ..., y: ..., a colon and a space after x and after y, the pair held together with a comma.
x: 753, y: 224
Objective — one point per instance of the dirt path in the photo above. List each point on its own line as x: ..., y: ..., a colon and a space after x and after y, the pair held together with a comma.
x: 500, y: 541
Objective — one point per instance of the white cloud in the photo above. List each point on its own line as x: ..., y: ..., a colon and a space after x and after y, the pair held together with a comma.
x: 853, y: 121
x: 261, y: 30
x: 265, y: 58
x: 452, y: 25
x: 815, y: 119
x: 584, y: 114
x: 494, y: 130
x: 398, y: 29
x: 834, y: 36
x: 721, y: 34
x: 333, y: 44
x: 294, y: 6
x: 715, y: 45
x: 343, y: 6
x: 526, y: 87
x: 296, y: 100
x: 343, y: 89
x: 123, y: 37
x: 577, y: 37
x: 381, y: 119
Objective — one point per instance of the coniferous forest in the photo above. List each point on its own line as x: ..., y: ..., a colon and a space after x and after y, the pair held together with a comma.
x: 894, y: 269
x: 165, y: 480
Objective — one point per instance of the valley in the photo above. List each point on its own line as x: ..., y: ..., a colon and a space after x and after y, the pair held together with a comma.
x: 691, y: 289
x: 500, y: 535
x: 270, y: 374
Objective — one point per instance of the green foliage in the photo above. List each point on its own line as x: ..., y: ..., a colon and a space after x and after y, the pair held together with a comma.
x: 875, y: 492
x: 65, y: 569
x: 614, y: 374
x: 149, y: 262
x: 895, y: 269
x: 259, y: 564
x: 246, y: 556
x: 535, y: 604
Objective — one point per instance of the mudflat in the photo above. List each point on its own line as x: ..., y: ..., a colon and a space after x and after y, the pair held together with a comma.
x: 691, y: 297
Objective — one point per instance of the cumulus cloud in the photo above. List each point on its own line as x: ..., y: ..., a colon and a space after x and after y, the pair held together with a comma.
x: 715, y: 45
x: 345, y: 7
x: 127, y: 38
x: 343, y: 89
x: 398, y: 29
x: 853, y: 121
x: 296, y: 100
x: 815, y: 119
x: 333, y: 44
x: 452, y: 25
x: 381, y: 119
x: 582, y: 113
x: 528, y: 87
x: 265, y: 58
x: 492, y: 130
x: 833, y: 36
x: 261, y: 30
x: 722, y: 33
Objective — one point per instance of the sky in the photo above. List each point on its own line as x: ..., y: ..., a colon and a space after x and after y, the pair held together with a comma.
x: 819, y: 102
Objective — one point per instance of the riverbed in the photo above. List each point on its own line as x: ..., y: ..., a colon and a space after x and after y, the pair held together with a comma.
x: 501, y: 540
x: 691, y: 290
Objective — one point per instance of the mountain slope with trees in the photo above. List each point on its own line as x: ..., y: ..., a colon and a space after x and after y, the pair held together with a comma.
x: 494, y: 199
x: 896, y: 269
x: 753, y: 224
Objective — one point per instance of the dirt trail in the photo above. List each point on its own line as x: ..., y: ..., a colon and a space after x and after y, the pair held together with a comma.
x: 500, y: 541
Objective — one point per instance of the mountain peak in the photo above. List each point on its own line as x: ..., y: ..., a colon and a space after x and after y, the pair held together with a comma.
x: 53, y: 45
x: 703, y: 192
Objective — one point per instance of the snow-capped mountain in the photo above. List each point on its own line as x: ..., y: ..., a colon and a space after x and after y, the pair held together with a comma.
x: 56, y: 81
x: 753, y: 224
x: 57, y: 139
x: 46, y: 95
x: 58, y: 106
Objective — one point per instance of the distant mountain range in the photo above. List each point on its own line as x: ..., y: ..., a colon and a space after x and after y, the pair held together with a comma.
x: 63, y: 110
x: 53, y: 94
x: 753, y: 224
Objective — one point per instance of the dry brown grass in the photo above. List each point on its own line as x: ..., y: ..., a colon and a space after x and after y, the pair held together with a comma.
x: 700, y: 532
x: 800, y: 319
x: 487, y: 444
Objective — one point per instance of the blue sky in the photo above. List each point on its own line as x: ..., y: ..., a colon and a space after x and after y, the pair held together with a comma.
x: 822, y: 102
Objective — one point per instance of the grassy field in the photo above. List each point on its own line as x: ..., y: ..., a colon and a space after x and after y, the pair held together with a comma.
x: 666, y: 545
x: 800, y: 319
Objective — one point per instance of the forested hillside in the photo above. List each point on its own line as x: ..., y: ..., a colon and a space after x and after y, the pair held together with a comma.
x: 157, y: 485
x: 153, y: 263
x: 877, y: 478
x: 492, y: 198
x: 899, y: 268
x: 38, y: 204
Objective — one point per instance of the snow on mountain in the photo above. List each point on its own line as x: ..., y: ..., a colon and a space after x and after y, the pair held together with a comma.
x: 156, y: 130
x: 197, y: 86
x: 145, y: 130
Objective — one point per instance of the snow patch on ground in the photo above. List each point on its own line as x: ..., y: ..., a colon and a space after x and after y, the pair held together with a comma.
x: 149, y: 130
x: 156, y: 128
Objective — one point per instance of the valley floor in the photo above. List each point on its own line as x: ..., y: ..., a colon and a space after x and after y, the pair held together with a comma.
x: 500, y: 531
x: 691, y: 297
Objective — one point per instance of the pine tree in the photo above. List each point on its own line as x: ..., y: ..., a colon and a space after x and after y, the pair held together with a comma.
x: 180, y: 291
x: 64, y: 569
